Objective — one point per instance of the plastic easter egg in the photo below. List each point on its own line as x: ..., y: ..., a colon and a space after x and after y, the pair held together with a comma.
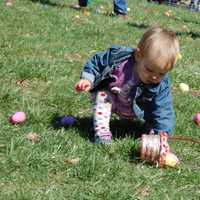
x: 184, y: 87
x: 171, y: 160
x: 67, y: 121
x: 64, y: 121
x: 18, y: 118
x: 98, y: 11
x: 86, y: 13
x: 77, y: 17
x: 197, y: 119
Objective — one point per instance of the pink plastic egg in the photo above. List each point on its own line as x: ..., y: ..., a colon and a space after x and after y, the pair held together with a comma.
x: 18, y: 118
x: 197, y: 118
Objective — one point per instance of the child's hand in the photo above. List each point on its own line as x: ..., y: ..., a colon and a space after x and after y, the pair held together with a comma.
x: 83, y: 86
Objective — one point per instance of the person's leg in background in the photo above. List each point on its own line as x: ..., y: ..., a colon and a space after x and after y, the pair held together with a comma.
x: 120, y: 7
x: 191, y: 3
x: 194, y: 5
x: 198, y: 6
x: 83, y: 3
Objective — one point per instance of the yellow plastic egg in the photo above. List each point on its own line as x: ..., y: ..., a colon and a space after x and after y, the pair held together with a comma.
x: 171, y: 160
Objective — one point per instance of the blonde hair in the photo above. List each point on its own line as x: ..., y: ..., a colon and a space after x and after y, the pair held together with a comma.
x: 160, y: 46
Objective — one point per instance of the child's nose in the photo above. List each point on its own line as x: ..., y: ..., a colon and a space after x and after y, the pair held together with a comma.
x: 154, y: 77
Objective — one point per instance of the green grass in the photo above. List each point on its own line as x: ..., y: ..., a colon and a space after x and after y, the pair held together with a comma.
x: 42, y: 51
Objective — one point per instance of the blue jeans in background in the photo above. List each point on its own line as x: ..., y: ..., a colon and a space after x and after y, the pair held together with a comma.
x: 195, y: 5
x: 120, y: 6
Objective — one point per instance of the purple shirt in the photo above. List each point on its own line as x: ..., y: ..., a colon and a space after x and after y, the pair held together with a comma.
x: 124, y: 88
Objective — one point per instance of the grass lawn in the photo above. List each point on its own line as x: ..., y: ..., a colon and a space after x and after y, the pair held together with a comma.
x: 43, y: 46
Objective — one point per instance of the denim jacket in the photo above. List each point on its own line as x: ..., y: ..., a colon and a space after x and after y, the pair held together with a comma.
x: 153, y: 103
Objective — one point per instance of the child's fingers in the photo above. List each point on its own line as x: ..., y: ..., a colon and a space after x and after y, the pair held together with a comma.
x: 78, y: 88
x: 87, y: 88
x: 82, y: 87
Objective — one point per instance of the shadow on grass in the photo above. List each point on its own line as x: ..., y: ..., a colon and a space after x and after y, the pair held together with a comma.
x: 139, y: 26
x: 192, y: 34
x: 186, y: 20
x: 48, y: 2
x: 60, y: 5
x: 119, y: 128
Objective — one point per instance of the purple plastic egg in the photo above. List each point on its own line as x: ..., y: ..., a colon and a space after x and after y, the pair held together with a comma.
x: 67, y: 121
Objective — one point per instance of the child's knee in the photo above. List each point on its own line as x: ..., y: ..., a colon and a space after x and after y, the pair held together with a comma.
x: 102, y: 97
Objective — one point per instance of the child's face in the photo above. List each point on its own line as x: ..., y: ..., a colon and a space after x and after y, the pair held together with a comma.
x: 150, y: 74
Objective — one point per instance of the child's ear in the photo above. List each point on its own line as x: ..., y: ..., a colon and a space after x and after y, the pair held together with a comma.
x: 137, y: 54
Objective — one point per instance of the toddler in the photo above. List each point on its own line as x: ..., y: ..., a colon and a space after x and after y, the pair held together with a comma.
x: 133, y: 83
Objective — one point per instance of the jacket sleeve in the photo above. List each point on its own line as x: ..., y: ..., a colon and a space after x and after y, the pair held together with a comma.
x: 95, y: 66
x: 162, y: 114
x: 99, y: 66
